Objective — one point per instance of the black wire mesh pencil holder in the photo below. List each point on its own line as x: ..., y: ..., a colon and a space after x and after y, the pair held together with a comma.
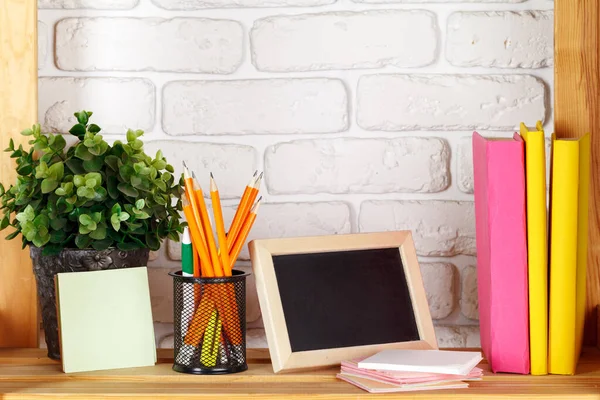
x: 209, y: 324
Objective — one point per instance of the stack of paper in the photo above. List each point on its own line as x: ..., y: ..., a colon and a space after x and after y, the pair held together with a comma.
x: 411, y: 370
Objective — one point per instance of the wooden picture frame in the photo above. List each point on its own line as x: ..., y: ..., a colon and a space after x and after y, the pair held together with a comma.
x: 282, y: 356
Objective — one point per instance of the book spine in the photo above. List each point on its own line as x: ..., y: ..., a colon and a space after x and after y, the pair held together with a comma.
x: 537, y: 249
x: 563, y: 256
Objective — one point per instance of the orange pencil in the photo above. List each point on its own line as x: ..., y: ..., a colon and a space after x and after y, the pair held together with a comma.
x: 243, y: 199
x: 218, y: 213
x: 241, y: 239
x: 189, y: 193
x: 197, y: 242
x: 208, y: 233
x: 242, y: 212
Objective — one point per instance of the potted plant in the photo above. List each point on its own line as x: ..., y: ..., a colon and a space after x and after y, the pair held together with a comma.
x: 89, y: 206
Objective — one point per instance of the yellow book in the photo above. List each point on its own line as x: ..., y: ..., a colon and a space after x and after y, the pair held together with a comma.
x: 537, y: 247
x: 568, y: 248
x: 582, y: 239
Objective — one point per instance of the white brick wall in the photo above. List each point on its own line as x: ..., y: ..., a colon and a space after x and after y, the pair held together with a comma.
x: 368, y: 39
x: 360, y: 113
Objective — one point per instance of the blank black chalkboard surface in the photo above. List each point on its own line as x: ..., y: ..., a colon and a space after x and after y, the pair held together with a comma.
x: 326, y: 299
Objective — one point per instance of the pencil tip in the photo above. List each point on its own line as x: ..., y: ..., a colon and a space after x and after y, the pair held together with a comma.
x: 255, y: 172
x: 193, y: 175
x: 184, y: 164
x: 211, y: 176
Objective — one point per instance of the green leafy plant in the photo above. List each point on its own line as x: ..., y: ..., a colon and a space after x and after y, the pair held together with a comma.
x: 92, y: 194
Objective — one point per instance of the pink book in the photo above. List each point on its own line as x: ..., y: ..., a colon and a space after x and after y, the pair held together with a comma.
x: 499, y: 186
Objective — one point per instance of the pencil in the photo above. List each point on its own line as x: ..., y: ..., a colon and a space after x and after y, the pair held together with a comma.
x: 218, y: 213
x: 189, y: 193
x: 242, y: 211
x: 241, y: 239
x: 208, y: 233
x: 205, y: 263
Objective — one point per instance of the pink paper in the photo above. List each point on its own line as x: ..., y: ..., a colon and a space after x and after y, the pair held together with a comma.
x: 500, y: 211
x: 406, y: 378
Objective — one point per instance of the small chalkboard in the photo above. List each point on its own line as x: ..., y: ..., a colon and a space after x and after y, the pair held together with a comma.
x: 331, y: 298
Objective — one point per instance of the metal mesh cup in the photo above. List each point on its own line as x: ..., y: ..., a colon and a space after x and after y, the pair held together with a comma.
x: 210, y: 323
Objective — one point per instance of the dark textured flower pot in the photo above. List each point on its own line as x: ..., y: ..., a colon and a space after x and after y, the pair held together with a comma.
x: 73, y: 260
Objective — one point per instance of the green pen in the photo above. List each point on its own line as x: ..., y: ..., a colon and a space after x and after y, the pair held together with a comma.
x: 187, y: 254
x: 187, y: 269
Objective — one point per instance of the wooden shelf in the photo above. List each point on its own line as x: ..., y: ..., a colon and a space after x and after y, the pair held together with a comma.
x: 29, y: 374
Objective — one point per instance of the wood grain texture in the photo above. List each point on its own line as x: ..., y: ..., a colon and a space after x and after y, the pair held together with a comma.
x: 577, y: 111
x: 27, y: 374
x: 18, y: 110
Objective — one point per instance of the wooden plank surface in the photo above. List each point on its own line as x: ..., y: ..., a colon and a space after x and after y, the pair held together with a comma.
x: 18, y: 110
x: 577, y: 111
x: 28, y: 374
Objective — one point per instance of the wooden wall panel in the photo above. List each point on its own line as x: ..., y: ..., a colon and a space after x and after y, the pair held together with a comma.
x: 18, y: 110
x: 577, y: 111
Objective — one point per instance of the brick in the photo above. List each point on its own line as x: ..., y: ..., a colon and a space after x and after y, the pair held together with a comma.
x: 469, y: 302
x: 397, y: 102
x: 344, y: 40
x: 42, y: 44
x: 439, y: 228
x: 161, y: 293
x: 438, y: 279
x: 93, y: 4
x: 129, y: 44
x: 200, y: 4
x: 358, y: 166
x: 256, y: 339
x: 436, y: 1
x: 465, y: 165
x: 231, y: 164
x: 504, y: 39
x: 277, y: 220
x: 269, y: 106
x: 457, y: 336
x: 117, y: 103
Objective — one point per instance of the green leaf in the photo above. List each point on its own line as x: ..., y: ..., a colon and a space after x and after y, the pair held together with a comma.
x: 26, y: 215
x: 83, y: 153
x: 124, y: 216
x: 152, y: 241
x: 41, y: 222
x: 131, y: 136
x: 94, y: 128
x: 27, y: 132
x: 13, y: 235
x: 79, y: 180
x: 75, y: 165
x: 82, y: 241
x: 41, y: 171
x: 112, y: 162
x: 128, y: 190
x: 78, y: 130
x: 82, y: 117
x: 115, y: 222
x: 116, y: 209
x: 100, y: 194
x: 58, y: 236
x: 139, y: 204
x: 96, y: 216
x: 85, y: 219
x: 161, y: 185
x: 5, y: 222
x: 48, y: 185
x: 94, y: 164
x: 141, y: 214
x: 99, y: 233
x: 58, y: 223
x: 52, y: 250
x: 59, y: 143
x: 56, y: 170
x: 102, y: 244
x: 111, y: 186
